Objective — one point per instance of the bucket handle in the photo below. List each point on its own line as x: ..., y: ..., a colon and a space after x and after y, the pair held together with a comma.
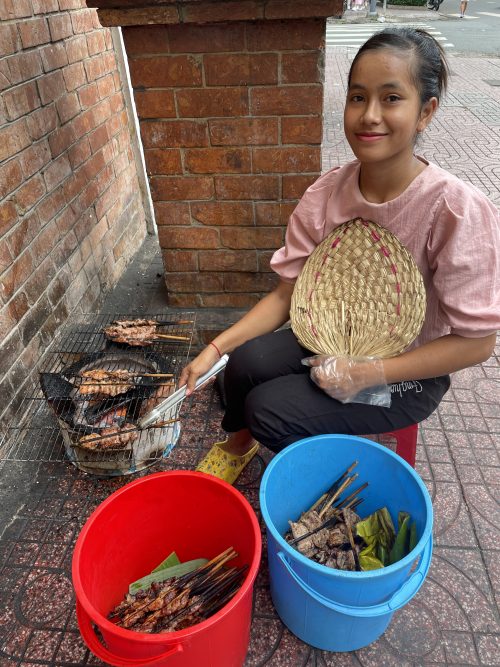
x: 89, y: 636
x: 398, y: 600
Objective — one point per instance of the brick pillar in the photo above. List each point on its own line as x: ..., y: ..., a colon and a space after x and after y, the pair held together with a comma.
x: 229, y: 97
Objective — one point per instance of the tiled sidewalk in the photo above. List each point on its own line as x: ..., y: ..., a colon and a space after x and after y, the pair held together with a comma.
x: 453, y: 620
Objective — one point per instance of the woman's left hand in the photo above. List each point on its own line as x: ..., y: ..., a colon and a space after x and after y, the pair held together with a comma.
x: 343, y: 378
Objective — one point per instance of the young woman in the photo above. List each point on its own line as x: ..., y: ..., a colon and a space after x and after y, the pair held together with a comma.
x: 451, y: 229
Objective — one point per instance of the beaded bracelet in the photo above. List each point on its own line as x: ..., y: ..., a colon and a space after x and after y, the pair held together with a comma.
x: 217, y: 349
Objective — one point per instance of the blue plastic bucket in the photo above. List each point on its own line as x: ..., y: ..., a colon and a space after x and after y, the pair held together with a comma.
x: 330, y: 609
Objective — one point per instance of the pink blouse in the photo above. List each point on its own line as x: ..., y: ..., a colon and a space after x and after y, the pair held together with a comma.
x: 451, y: 229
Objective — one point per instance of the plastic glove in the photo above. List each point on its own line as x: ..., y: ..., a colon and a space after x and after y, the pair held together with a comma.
x: 351, y: 379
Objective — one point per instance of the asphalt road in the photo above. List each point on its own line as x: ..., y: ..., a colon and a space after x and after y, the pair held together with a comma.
x: 478, y: 32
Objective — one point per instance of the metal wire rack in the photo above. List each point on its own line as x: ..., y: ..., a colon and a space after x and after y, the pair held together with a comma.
x: 93, y: 387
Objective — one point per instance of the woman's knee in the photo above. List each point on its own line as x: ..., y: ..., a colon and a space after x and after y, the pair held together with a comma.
x: 248, y: 362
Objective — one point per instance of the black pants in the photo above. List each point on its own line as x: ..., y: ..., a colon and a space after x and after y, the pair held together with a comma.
x: 270, y: 392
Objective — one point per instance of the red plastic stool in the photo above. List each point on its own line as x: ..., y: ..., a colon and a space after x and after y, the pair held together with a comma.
x: 403, y: 442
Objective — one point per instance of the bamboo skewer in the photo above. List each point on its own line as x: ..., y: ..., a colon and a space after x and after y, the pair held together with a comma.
x: 130, y: 430
x: 347, y: 482
x: 353, y: 548
x: 172, y: 337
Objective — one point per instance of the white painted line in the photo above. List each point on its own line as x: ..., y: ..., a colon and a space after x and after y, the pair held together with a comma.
x: 465, y: 17
x: 488, y: 14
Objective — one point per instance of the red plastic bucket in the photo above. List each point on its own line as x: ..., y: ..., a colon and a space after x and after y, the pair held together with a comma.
x: 133, y: 530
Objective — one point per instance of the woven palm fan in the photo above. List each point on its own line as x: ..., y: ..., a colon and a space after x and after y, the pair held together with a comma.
x: 360, y: 293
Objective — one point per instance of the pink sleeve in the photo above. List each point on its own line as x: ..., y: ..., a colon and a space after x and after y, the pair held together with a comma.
x: 464, y: 255
x: 305, y: 230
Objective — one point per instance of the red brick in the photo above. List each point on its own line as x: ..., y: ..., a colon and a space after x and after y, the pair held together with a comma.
x: 96, y: 42
x: 174, y: 134
x: 228, y: 260
x: 190, y: 38
x: 142, y: 40
x: 187, y: 237
x: 155, y: 103
x: 42, y: 121
x: 78, y: 153
x: 116, y: 102
x: 285, y: 35
x: 51, y: 205
x: 241, y: 69
x: 8, y: 216
x: 13, y: 139
x: 217, y: 160
x: 82, y: 21
x: 115, y: 123
x: 163, y: 161
x: 214, y: 102
x: 74, y: 185
x: 61, y: 139
x: 74, y: 76
x: 223, y: 213
x: 51, y: 86
x: 43, y: 243
x: 183, y: 300
x: 57, y: 172
x: 264, y: 261
x: 6, y: 259
x: 71, y: 4
x: 302, y: 67
x: 194, y: 282
x: 166, y: 71
x: 68, y: 107
x: 286, y: 100
x: 168, y: 188
x: 302, y: 130
x: 33, y: 32
x: 14, y: 9
x: 18, y: 306
x: 8, y: 39
x: 24, y: 66
x: 168, y: 213
x: 272, y: 214
x: 247, y: 187
x: 246, y: 237
x: 106, y: 86
x: 276, y: 9
x: 250, y: 282
x: 286, y: 160
x: 105, y: 178
x: 295, y: 186
x: 45, y: 6
x: 94, y: 68
x: 243, y: 131
x: 17, y: 274
x: 98, y: 138
x: 244, y: 10
x: 60, y: 26
x: 228, y: 300
x: 21, y: 100
x: 76, y: 48
x: 34, y: 158
x: 88, y: 95
x: 11, y: 176
x: 24, y: 232
x: 180, y: 260
x: 53, y: 56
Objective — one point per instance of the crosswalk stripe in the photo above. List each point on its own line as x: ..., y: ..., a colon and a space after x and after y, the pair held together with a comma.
x: 489, y: 14
x: 354, y: 35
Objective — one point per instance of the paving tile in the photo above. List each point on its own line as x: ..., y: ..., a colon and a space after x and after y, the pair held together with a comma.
x: 485, y: 516
x: 460, y: 648
x: 487, y: 646
x: 492, y: 564
x: 452, y: 524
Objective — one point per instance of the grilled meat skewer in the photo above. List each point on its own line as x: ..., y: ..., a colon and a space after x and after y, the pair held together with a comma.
x: 138, y: 333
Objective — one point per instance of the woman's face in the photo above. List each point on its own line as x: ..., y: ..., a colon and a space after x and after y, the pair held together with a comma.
x: 383, y: 112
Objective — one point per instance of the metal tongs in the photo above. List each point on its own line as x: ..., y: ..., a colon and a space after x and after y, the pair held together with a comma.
x: 180, y: 394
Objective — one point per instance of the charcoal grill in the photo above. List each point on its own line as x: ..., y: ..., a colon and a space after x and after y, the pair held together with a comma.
x: 60, y: 422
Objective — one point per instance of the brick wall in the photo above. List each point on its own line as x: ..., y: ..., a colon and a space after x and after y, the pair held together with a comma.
x: 70, y: 212
x: 231, y: 124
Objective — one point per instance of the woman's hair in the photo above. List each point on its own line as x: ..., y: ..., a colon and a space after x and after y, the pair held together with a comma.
x: 428, y: 64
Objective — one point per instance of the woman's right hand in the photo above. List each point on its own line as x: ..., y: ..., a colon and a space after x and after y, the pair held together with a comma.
x: 196, y: 368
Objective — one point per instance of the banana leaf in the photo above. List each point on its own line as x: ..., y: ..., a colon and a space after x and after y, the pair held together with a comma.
x: 162, y: 575
x: 170, y: 560
x: 378, y: 532
x: 400, y: 547
x: 413, y: 536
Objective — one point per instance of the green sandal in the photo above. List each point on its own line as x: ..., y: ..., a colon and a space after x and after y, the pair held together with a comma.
x: 223, y: 465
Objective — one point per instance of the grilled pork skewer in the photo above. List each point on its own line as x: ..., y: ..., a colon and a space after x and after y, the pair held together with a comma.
x: 138, y: 332
x: 112, y: 382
